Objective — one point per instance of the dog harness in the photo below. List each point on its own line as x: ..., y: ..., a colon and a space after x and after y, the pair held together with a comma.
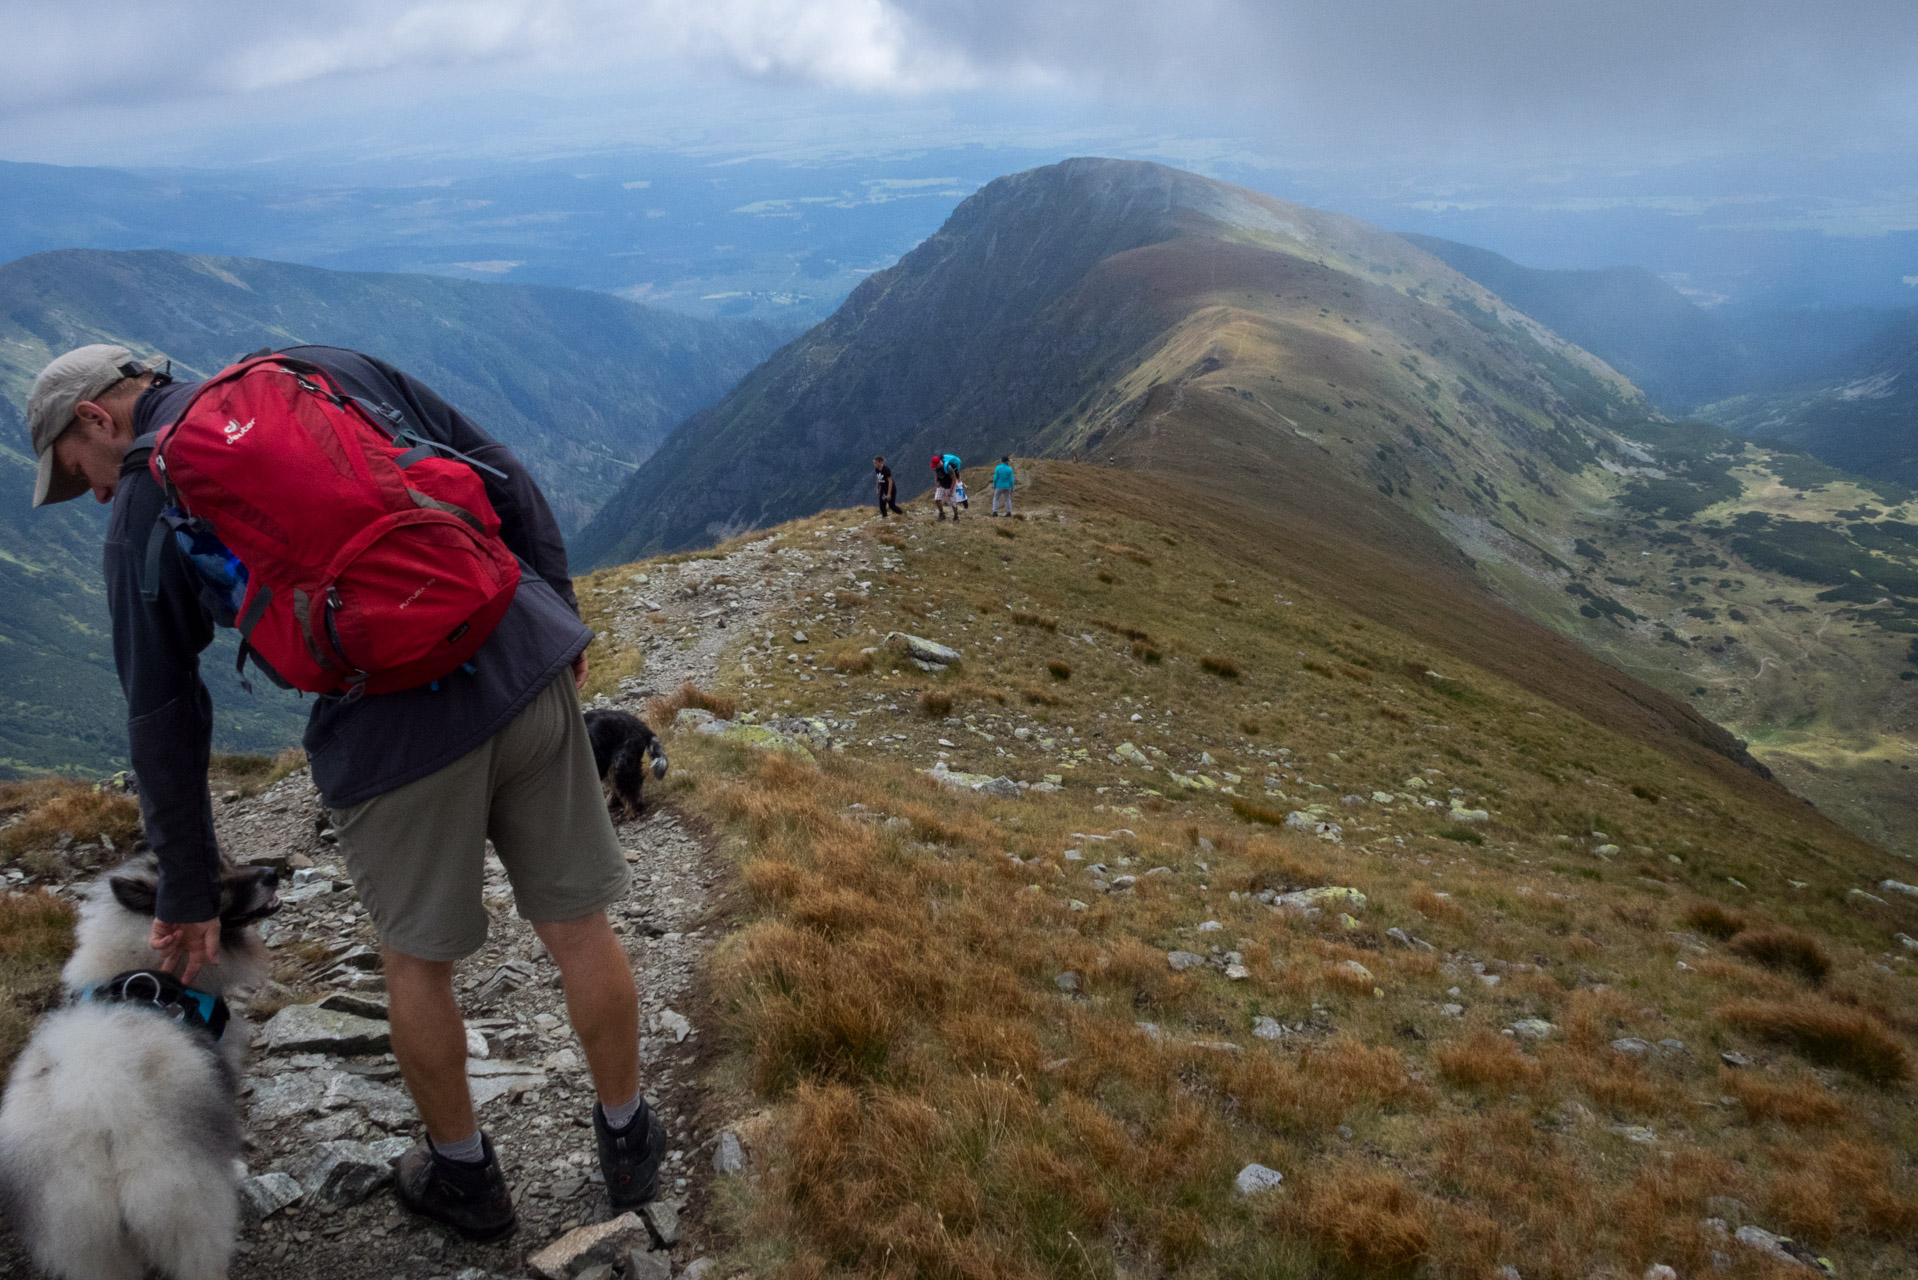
x: 165, y: 995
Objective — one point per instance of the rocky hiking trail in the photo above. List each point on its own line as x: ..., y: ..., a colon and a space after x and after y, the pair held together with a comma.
x: 329, y: 1118
x: 325, y: 1110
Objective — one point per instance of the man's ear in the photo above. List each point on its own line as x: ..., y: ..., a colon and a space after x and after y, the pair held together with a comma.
x: 136, y: 893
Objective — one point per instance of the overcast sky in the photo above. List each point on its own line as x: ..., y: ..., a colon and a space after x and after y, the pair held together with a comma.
x: 1596, y: 82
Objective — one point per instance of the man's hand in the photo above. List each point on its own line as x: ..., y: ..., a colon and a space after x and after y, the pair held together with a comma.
x: 184, y: 948
x: 579, y: 670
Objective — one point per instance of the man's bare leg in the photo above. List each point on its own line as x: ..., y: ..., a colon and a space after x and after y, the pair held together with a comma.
x: 601, y: 1000
x: 429, y: 1039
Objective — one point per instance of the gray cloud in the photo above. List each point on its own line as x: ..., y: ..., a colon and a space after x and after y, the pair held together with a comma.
x: 1576, y: 80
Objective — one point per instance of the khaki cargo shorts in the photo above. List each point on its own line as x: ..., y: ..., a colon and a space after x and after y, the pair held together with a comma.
x: 417, y: 855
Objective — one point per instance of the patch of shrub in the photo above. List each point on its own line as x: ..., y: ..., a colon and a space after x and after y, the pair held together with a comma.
x: 1318, y: 668
x: 1144, y: 652
x: 1463, y: 835
x: 1224, y: 668
x: 1004, y: 532
x: 1106, y: 578
x: 1223, y: 598
x: 1715, y: 920
x: 1784, y: 949
x: 1024, y: 619
x: 36, y: 935
x: 1828, y: 1034
x: 1250, y: 728
x: 1120, y: 629
x: 935, y: 703
x: 1040, y: 698
x: 1257, y: 813
x: 1059, y: 670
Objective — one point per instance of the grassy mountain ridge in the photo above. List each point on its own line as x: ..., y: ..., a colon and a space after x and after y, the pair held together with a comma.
x: 1282, y: 358
x: 1042, y: 1035
x: 581, y: 385
x: 1007, y: 324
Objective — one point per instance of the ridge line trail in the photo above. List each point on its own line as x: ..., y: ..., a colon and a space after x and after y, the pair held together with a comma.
x: 668, y: 924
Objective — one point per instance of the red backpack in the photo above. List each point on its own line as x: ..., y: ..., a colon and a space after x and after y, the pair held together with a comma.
x: 371, y: 564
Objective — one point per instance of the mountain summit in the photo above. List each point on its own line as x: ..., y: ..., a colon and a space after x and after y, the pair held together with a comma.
x: 1059, y: 309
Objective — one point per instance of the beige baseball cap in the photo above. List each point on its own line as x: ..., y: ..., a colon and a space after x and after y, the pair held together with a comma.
x: 67, y: 382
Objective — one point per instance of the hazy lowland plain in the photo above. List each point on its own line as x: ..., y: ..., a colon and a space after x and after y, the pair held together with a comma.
x: 1378, y: 751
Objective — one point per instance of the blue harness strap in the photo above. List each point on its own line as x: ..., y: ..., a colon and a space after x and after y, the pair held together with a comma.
x: 165, y: 995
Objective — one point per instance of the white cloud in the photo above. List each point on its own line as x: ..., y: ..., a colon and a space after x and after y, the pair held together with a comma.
x: 1570, y: 80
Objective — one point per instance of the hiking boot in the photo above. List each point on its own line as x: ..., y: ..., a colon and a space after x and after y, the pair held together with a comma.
x: 630, y: 1157
x: 470, y: 1198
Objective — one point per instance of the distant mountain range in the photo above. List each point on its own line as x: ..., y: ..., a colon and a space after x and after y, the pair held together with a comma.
x: 1343, y: 379
x: 581, y: 385
x: 1862, y: 416
x: 1679, y: 353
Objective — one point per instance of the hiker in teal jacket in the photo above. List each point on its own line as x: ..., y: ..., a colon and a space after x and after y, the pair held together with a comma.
x: 1002, y: 485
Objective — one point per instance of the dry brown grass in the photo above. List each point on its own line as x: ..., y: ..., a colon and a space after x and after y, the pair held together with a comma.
x: 1371, y: 1221
x: 1486, y: 1060
x: 935, y: 703
x: 848, y: 659
x: 1059, y: 670
x: 36, y: 935
x: 1715, y: 920
x: 661, y: 710
x: 59, y: 807
x: 1826, y: 1033
x: 1040, y: 698
x: 1224, y: 668
x: 1799, y: 1101
x: 1782, y: 949
x: 1021, y: 618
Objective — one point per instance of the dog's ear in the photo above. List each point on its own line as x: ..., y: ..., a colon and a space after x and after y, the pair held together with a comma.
x: 137, y: 893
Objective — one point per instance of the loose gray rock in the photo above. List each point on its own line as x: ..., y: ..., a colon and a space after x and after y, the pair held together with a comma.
x: 282, y: 1097
x: 302, y: 1028
x: 1268, y: 1028
x: 729, y: 1157
x: 1255, y: 1178
x: 265, y: 1194
x: 921, y: 649
x: 1659, y: 1271
x: 589, y: 1246
x: 1067, y: 982
x: 1632, y: 1046
x: 385, y: 1106
x: 1533, y: 1028
x: 641, y: 1265
x: 699, y: 1269
x: 342, y: 1173
x: 598, y: 1271
x: 674, y: 1024
x: 1783, y: 1248
x: 662, y: 1218
x: 1183, y: 960
x: 1002, y: 787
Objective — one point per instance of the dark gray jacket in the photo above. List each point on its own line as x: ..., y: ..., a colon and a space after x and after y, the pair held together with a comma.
x: 358, y: 749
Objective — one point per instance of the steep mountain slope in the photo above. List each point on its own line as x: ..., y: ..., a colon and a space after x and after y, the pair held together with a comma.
x: 1016, y: 322
x: 1647, y: 330
x: 580, y: 384
x: 1302, y: 363
x: 1863, y: 418
x: 1186, y: 864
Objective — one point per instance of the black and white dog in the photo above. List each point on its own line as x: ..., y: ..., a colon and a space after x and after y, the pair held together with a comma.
x: 621, y: 743
x: 119, y: 1129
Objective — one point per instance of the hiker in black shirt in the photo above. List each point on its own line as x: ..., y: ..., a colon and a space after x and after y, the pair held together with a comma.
x: 888, y: 489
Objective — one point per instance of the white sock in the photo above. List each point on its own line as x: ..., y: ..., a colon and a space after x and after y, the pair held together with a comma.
x: 621, y: 1116
x: 466, y: 1150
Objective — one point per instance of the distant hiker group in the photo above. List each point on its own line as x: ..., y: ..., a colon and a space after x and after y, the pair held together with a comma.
x: 948, y: 488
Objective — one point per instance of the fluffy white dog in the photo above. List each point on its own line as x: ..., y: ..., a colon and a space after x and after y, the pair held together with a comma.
x: 119, y: 1129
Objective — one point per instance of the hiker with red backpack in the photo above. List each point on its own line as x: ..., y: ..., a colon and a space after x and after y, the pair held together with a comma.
x: 376, y: 548
x: 947, y: 490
